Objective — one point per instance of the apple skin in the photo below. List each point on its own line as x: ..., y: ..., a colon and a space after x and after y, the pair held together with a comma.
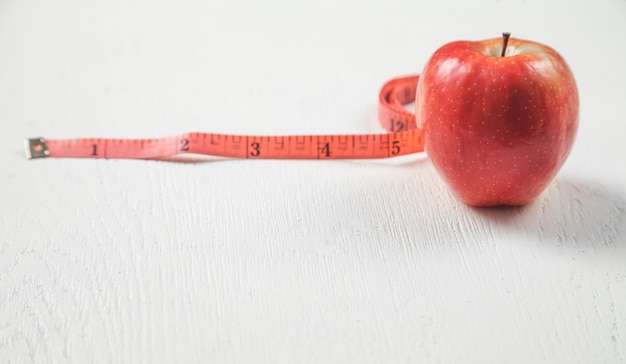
x: 497, y: 129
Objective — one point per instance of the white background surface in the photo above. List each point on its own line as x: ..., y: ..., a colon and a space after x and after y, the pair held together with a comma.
x: 293, y: 261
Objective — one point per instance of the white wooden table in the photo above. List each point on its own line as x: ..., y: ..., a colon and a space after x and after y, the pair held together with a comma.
x: 293, y: 261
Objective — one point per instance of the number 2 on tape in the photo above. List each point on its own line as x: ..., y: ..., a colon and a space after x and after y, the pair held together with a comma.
x: 403, y: 138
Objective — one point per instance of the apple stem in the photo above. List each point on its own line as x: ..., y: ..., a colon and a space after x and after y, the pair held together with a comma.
x: 505, y: 41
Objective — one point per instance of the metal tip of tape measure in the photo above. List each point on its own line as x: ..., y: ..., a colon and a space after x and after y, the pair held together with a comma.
x: 36, y: 148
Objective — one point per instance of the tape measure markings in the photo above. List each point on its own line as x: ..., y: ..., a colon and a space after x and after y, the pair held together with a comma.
x: 403, y: 138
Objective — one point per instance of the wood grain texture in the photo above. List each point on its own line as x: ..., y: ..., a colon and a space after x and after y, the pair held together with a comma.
x: 292, y: 261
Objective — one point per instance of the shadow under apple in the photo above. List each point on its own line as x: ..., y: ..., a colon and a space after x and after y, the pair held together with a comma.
x: 572, y: 212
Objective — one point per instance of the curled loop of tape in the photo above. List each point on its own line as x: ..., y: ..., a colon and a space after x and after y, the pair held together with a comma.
x: 394, y: 95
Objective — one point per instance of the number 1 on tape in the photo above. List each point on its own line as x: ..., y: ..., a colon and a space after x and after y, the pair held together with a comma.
x: 403, y: 138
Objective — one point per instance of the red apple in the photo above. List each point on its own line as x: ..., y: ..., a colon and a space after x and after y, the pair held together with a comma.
x: 497, y: 125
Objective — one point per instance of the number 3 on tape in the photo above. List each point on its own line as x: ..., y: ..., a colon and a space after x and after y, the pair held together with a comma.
x: 403, y: 138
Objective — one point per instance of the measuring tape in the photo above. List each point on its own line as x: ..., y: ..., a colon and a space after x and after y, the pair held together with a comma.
x: 403, y: 138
